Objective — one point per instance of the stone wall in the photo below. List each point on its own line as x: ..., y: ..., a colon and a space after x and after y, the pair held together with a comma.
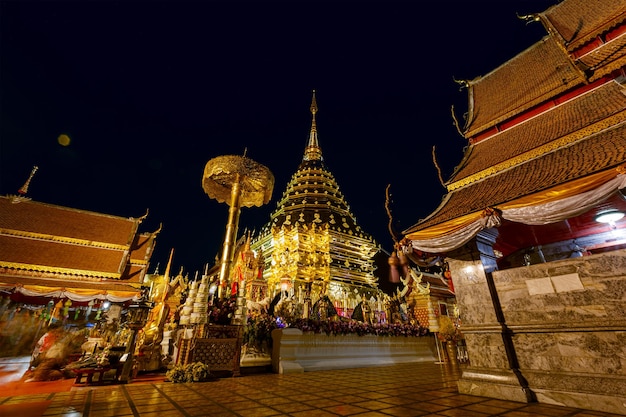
x: 567, y: 323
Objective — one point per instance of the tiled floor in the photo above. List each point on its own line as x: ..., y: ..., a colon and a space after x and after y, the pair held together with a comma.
x: 421, y: 389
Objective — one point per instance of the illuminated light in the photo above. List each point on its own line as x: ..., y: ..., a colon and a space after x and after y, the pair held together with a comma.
x: 609, y: 217
x: 63, y: 140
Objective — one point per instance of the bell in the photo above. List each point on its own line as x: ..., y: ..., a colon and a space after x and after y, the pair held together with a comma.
x: 404, y: 263
x: 394, y: 272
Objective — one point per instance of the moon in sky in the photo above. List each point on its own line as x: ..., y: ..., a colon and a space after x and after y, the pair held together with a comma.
x: 63, y: 140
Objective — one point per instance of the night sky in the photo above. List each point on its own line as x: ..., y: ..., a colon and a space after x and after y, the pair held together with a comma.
x: 148, y: 92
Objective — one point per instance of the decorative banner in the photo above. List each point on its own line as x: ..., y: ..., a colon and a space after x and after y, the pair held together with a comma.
x: 75, y: 294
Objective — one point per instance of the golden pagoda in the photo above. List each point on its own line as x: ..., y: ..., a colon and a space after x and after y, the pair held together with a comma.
x: 312, y: 245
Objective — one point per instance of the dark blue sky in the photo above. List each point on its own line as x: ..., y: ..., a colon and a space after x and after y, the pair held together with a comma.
x: 148, y: 92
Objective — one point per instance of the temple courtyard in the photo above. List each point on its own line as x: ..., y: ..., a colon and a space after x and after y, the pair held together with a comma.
x: 414, y: 389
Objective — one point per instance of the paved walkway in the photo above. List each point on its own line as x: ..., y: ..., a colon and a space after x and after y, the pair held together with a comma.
x: 407, y: 390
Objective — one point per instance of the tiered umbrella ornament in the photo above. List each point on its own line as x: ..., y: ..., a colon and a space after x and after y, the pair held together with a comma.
x: 237, y: 181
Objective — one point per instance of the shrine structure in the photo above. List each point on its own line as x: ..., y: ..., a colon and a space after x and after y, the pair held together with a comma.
x: 532, y: 225
x: 313, y: 248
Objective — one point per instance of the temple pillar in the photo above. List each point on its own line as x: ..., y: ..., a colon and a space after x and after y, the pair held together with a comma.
x: 493, y: 370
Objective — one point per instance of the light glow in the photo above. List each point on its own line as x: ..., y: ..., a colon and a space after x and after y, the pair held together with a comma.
x: 609, y: 216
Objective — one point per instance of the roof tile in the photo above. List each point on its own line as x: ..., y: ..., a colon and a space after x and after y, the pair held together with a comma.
x: 532, y: 77
x: 590, y: 108
x: 579, y: 21
x: 54, y: 220
x: 594, y: 154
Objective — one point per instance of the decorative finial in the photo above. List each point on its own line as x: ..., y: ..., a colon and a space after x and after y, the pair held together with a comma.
x: 529, y: 18
x: 142, y: 218
x: 437, y: 167
x: 462, y: 83
x: 24, y: 189
x: 168, y: 267
x: 313, y: 150
x: 313, y: 106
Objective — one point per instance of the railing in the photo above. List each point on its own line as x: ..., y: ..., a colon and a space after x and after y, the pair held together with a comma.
x: 294, y: 351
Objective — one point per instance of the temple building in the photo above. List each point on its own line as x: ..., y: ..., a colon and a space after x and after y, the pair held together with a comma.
x: 67, y: 265
x: 532, y: 225
x: 313, y: 246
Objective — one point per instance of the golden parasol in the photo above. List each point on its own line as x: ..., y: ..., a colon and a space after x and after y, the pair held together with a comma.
x: 237, y: 181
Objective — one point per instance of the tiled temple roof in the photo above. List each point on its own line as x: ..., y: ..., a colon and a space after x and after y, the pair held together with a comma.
x: 602, y: 151
x: 70, y: 244
x: 578, y: 22
x: 532, y: 77
x: 60, y: 256
x: 544, y: 118
x: 30, y: 216
x: 592, y: 32
x: 595, y: 107
x: 586, y: 41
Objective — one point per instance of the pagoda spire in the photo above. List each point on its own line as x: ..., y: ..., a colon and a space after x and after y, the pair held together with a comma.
x: 313, y: 152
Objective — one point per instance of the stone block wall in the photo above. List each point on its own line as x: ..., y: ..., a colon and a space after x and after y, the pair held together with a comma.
x: 567, y: 321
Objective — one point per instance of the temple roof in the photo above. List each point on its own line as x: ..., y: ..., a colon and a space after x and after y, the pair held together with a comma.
x: 579, y: 22
x: 543, y: 119
x: 53, y: 242
x: 596, y: 106
x: 602, y: 151
x: 36, y: 217
x: 585, y: 42
x: 530, y: 78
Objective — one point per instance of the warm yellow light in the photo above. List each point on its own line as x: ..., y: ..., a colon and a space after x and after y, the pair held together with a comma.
x: 63, y: 140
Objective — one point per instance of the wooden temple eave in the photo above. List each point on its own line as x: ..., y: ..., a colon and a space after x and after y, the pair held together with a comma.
x: 20, y: 269
x: 54, y: 282
x: 138, y: 262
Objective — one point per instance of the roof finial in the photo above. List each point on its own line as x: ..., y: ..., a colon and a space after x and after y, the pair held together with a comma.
x: 24, y: 189
x: 313, y: 107
x: 313, y: 150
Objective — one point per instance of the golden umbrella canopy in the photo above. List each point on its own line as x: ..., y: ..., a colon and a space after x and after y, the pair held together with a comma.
x: 237, y: 181
x: 223, y: 172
